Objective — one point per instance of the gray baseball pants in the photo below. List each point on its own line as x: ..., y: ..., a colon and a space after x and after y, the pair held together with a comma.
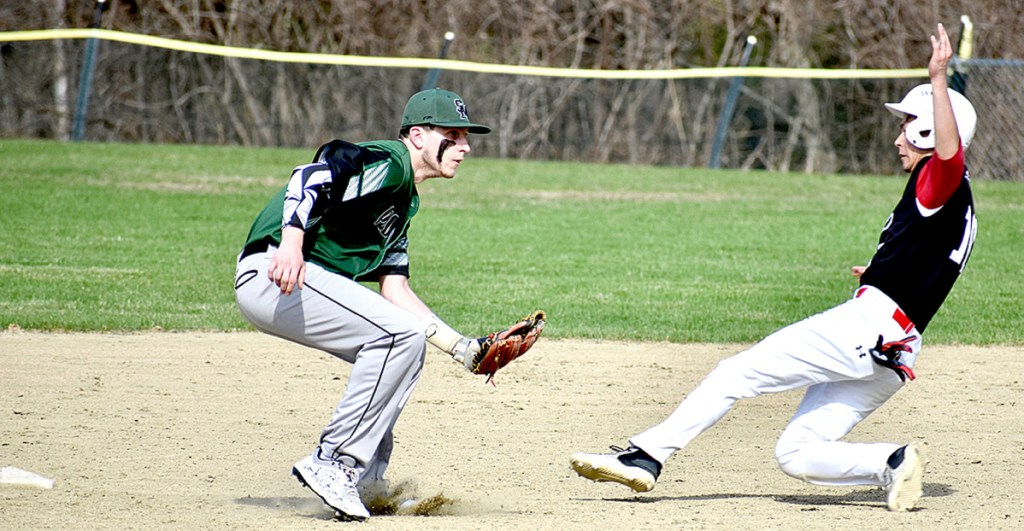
x: 385, y: 344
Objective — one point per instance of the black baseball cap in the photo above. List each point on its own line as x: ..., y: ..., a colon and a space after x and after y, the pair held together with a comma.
x: 442, y: 108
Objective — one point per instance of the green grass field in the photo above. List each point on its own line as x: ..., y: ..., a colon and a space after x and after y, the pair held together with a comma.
x: 118, y: 237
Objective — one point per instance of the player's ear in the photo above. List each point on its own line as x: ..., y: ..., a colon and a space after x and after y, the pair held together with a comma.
x: 417, y: 136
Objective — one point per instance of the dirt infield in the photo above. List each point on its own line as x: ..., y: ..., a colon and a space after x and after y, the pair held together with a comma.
x: 199, y: 431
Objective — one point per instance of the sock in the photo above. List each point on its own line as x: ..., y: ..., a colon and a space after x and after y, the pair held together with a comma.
x: 641, y: 459
x: 896, y: 459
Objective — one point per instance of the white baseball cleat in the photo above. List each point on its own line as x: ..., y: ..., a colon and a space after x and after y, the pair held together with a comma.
x: 631, y: 467
x: 904, y: 488
x: 335, y: 484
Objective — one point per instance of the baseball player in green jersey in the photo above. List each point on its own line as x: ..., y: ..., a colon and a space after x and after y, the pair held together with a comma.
x: 340, y: 220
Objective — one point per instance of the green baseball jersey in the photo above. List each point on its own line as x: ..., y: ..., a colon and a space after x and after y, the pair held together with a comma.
x: 354, y: 201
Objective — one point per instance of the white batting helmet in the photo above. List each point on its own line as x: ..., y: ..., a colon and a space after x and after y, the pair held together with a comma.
x: 918, y: 103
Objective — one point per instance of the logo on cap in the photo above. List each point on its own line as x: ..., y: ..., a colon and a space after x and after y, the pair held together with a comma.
x: 461, y: 109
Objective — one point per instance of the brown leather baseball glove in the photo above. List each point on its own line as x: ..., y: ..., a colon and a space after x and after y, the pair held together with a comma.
x: 501, y: 348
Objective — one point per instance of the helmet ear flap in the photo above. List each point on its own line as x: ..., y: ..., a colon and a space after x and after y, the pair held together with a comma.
x: 920, y: 132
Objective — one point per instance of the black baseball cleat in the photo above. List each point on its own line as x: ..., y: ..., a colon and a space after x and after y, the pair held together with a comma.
x: 631, y: 467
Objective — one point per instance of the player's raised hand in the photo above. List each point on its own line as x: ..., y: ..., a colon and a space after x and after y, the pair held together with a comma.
x: 947, y: 137
x: 942, y: 53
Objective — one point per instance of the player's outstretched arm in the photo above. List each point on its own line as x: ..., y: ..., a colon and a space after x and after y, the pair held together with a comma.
x: 480, y: 355
x: 947, y: 138
x: 489, y: 354
x: 396, y: 289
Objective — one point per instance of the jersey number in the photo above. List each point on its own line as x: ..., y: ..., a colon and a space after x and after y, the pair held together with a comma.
x: 962, y: 253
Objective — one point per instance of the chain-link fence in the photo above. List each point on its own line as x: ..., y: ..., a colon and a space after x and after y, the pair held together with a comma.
x: 993, y: 86
x: 143, y: 94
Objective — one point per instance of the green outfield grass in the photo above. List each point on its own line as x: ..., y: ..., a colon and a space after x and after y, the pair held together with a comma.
x: 136, y: 237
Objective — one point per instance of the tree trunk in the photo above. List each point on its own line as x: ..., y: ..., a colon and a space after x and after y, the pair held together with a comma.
x: 62, y: 128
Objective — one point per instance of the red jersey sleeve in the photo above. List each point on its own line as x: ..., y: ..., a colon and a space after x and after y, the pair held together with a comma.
x: 939, y: 179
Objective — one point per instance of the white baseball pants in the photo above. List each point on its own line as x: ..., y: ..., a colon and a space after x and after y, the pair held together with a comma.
x: 828, y: 354
x: 385, y: 344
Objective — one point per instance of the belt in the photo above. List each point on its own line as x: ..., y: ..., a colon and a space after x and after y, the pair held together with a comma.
x: 256, y: 247
x: 897, y: 315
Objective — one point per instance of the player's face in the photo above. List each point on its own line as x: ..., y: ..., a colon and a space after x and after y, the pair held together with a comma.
x: 909, y: 155
x: 445, y: 150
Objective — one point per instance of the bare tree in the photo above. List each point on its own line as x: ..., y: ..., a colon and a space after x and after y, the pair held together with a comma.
x: 144, y: 94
